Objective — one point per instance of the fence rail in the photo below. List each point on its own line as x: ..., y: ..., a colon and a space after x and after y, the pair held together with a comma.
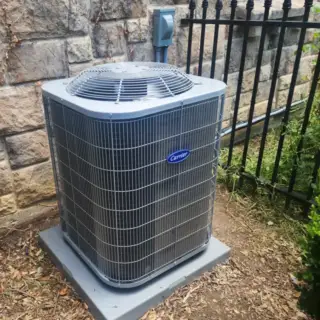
x: 265, y: 23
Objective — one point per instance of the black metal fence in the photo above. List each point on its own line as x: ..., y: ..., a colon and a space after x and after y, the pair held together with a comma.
x: 265, y: 23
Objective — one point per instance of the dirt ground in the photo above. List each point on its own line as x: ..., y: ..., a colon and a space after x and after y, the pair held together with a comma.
x: 256, y: 283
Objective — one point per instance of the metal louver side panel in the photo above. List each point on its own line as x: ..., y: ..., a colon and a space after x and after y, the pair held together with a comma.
x: 127, y: 211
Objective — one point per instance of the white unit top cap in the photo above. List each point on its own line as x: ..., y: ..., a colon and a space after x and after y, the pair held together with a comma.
x: 131, y: 89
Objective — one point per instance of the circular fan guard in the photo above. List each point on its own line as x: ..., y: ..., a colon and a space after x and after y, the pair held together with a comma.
x: 129, y: 81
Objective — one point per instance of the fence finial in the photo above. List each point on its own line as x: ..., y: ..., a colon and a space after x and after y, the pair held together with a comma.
x: 286, y: 5
x: 205, y: 4
x: 219, y: 5
x: 192, y: 5
x: 233, y: 3
x: 250, y: 5
x: 308, y: 3
x: 268, y: 3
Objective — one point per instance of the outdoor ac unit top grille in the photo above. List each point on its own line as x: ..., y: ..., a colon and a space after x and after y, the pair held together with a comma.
x: 129, y: 82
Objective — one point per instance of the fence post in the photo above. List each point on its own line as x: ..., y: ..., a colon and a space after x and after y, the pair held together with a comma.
x: 307, y: 5
x: 233, y: 6
x: 219, y: 6
x: 192, y: 7
x: 304, y: 128
x: 203, y: 34
x: 249, y: 7
x: 286, y: 8
x: 267, y: 6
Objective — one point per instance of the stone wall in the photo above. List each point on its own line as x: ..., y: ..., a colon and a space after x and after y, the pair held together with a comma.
x: 42, y: 40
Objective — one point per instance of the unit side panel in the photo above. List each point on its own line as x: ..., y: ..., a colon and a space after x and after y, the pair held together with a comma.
x: 124, y: 207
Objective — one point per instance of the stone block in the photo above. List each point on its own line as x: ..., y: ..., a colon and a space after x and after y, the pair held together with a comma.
x: 309, y: 37
x: 273, y: 33
x: 140, y: 52
x: 4, y: 48
x: 211, y: 12
x: 182, y: 44
x: 291, y: 38
x: 284, y: 82
x: 34, y: 183
x: 259, y: 110
x: 79, y: 17
x: 20, y: 109
x: 38, y: 19
x: 37, y: 60
x: 253, y: 31
x: 109, y: 39
x: 251, y: 54
x: 206, y: 69
x: 7, y: 204
x: 306, y: 69
x: 6, y: 185
x: 288, y: 56
x: 97, y: 62
x: 228, y: 107
x: 243, y: 114
x: 314, y: 16
x: 103, y: 10
x: 137, y: 30
x: 27, y: 148
x: 248, y: 79
x: 249, y: 75
x: 182, y: 12
x: 305, y: 73
x: 225, y: 124
x: 237, y: 32
x: 3, y: 27
x: 76, y: 68
x: 262, y: 94
x: 79, y: 49
x: 172, y: 53
x: 162, y: 2
x: 276, y: 11
x: 300, y: 92
x: 2, y: 150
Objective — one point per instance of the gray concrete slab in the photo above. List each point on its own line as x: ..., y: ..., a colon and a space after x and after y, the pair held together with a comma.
x: 107, y: 303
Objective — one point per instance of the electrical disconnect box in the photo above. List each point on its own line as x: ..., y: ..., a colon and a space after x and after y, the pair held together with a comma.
x: 163, y: 23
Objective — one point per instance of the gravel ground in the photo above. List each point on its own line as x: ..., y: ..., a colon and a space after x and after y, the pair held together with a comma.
x: 256, y: 283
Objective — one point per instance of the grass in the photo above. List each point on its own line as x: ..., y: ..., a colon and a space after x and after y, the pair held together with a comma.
x: 311, y: 144
x: 271, y: 209
x: 260, y: 207
x: 305, y: 159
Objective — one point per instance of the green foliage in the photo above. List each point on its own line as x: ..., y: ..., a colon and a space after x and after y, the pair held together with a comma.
x: 305, y: 164
x: 316, y: 8
x: 311, y: 247
x: 315, y: 45
x: 310, y: 274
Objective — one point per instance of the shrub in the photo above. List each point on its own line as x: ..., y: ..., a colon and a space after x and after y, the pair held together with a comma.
x: 311, y: 244
x: 305, y: 165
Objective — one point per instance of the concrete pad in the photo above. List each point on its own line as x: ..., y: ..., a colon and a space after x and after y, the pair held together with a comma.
x: 107, y: 303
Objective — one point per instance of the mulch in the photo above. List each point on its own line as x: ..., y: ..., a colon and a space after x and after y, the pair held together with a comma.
x: 257, y: 282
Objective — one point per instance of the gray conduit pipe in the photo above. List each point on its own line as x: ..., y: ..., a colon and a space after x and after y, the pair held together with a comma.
x: 158, y: 53
x: 165, y: 54
x: 256, y: 120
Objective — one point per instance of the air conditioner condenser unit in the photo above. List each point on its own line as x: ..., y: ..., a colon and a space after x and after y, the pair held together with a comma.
x: 134, y: 148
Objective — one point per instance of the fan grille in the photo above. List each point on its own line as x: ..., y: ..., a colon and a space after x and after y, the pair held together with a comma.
x: 130, y: 81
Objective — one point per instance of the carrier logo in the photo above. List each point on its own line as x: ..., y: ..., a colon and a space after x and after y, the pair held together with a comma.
x: 178, y: 156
